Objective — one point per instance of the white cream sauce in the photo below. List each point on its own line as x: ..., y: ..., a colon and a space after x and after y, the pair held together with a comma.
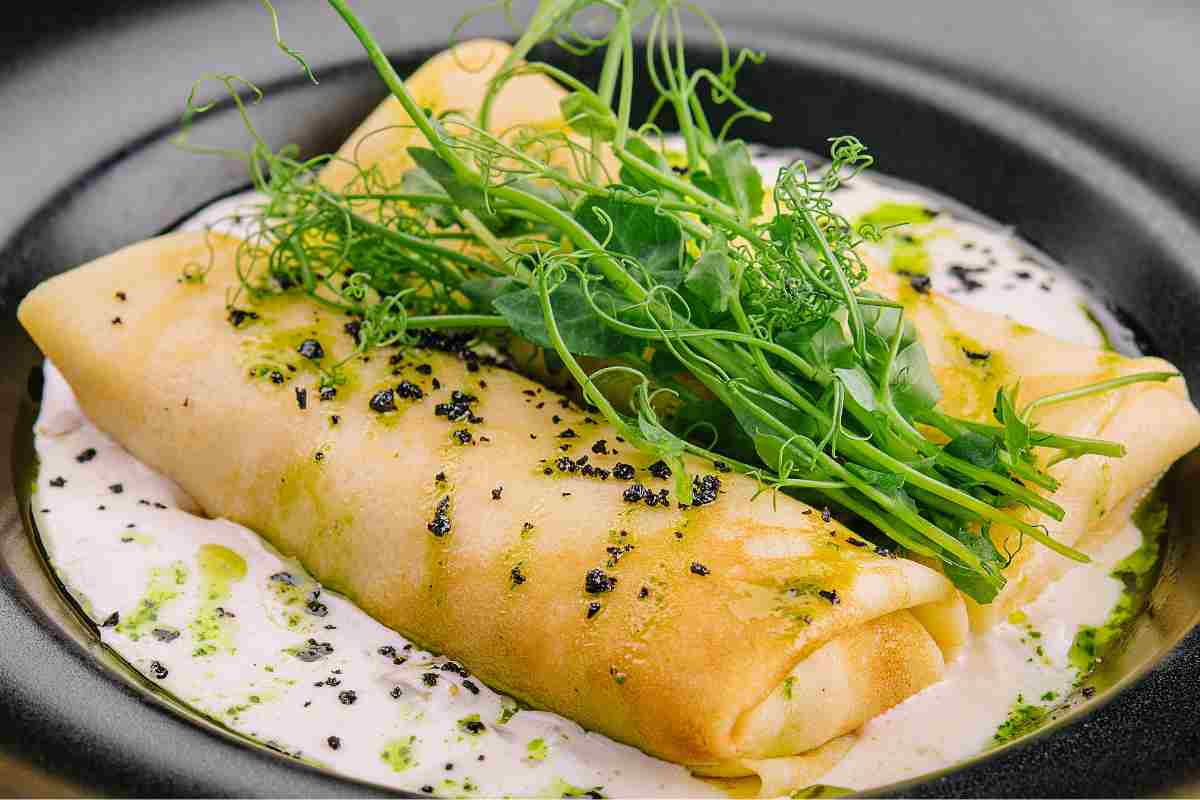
x: 258, y: 673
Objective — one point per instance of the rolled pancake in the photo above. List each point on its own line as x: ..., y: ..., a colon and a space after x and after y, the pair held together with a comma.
x: 1156, y: 422
x: 736, y: 633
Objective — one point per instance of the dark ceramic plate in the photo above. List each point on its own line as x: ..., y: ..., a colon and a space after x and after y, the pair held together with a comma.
x: 1075, y: 123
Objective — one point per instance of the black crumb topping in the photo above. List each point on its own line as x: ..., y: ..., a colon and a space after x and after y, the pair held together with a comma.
x: 643, y: 593
x: 705, y: 489
x: 440, y: 477
x: 86, y: 455
x: 58, y: 482
x: 383, y: 401
x: 598, y: 581
x: 444, y: 342
x: 698, y: 569
x: 593, y: 609
x: 463, y: 436
x: 659, y: 469
x: 239, y: 316
x: 276, y: 377
x: 1088, y: 691
x: 313, y: 651
x: 826, y: 514
x: 424, y: 369
x: 353, y: 329
x: 497, y: 492
x: 427, y: 789
x: 623, y: 472
x: 165, y: 634
x: 831, y: 595
x: 567, y: 434
x: 111, y: 620
x: 721, y: 466
x: 158, y: 671
x: 921, y: 284
x: 429, y: 678
x: 311, y: 349
x: 121, y: 296
x: 409, y: 390
x: 315, y: 607
x: 328, y: 393
x: 615, y: 553
x: 334, y: 742
x: 387, y: 650
x: 974, y: 356
x: 396, y: 692
x: 458, y: 407
x: 965, y: 276
x: 284, y: 577
x: 635, y: 493
x: 116, y: 488
x: 347, y: 697
x: 455, y: 667
x: 470, y: 686
x: 301, y: 398
x: 850, y: 540
x: 439, y: 526
x: 600, y: 448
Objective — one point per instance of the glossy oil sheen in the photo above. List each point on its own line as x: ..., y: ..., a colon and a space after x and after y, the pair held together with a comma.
x: 992, y: 114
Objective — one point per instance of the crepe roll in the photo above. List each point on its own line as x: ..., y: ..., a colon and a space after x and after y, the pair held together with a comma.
x: 492, y: 520
x: 974, y: 353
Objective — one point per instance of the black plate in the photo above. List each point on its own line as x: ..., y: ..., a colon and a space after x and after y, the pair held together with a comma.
x: 1076, y: 124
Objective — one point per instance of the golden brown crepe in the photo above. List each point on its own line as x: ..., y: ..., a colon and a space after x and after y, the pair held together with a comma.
x: 1156, y: 422
x: 736, y: 634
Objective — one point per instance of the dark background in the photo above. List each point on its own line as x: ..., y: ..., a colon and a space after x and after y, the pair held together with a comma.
x: 1110, y: 64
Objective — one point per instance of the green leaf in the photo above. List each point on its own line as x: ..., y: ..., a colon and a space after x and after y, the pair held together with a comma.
x: 975, y: 448
x: 887, y: 482
x: 823, y: 343
x: 584, y: 333
x: 464, y: 194
x: 980, y: 587
x: 859, y: 386
x: 739, y: 181
x: 484, y: 291
x: 1016, y: 432
x: 705, y: 183
x: 643, y: 150
x: 710, y: 279
x: 637, y: 231
x: 914, y: 389
x: 587, y: 114
x: 418, y: 181
x: 882, y: 320
x: 776, y: 452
